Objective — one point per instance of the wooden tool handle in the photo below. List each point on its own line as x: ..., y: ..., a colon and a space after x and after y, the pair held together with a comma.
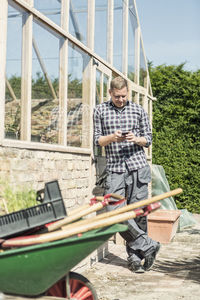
x: 99, y: 198
x: 126, y: 208
x: 155, y: 198
x: 78, y: 209
x: 61, y: 234
x: 116, y: 196
x: 75, y: 217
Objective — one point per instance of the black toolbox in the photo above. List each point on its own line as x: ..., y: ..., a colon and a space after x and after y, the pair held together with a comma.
x: 51, y: 209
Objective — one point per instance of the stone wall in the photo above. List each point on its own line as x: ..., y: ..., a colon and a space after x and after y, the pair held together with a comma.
x: 34, y: 168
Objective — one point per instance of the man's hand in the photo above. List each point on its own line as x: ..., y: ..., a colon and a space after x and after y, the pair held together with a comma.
x: 111, y: 138
x: 118, y: 138
x: 130, y: 137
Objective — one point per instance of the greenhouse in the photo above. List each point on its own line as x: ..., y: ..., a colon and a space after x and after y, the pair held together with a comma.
x: 57, y: 58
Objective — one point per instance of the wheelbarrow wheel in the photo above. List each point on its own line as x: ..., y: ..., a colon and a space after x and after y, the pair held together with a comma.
x: 79, y: 286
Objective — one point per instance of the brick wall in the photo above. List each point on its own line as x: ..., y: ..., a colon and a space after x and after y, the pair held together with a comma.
x: 34, y: 168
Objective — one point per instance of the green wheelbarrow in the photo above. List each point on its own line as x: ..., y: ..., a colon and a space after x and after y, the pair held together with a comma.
x: 44, y: 269
x: 43, y: 263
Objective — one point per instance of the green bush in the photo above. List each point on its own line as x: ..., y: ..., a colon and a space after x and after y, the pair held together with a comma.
x: 176, y: 130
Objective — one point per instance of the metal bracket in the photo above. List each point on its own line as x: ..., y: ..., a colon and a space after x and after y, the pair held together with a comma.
x: 95, y: 62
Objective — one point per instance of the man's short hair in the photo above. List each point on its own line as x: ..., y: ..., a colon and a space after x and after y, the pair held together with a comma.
x: 118, y: 83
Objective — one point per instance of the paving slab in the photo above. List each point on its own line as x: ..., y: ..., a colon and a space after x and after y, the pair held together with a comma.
x: 174, y: 276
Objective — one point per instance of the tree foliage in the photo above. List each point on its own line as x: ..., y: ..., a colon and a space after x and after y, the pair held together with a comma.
x: 40, y: 87
x: 176, y: 130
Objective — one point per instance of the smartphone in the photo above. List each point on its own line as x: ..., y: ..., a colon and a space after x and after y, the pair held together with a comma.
x: 124, y: 133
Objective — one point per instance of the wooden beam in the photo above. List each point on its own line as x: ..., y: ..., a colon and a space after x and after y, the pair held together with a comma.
x: 86, y: 103
x: 90, y: 48
x: 110, y: 32
x: 125, y: 38
x: 137, y: 56
x: 25, y: 128
x: 3, y: 36
x: 90, y: 24
x: 62, y: 134
x: 12, y: 93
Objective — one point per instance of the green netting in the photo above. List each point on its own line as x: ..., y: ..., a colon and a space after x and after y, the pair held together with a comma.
x: 160, y: 185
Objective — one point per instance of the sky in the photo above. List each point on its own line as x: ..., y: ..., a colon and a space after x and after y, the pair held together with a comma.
x: 171, y: 31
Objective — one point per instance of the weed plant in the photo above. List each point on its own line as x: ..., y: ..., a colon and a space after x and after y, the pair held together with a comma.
x: 14, y: 198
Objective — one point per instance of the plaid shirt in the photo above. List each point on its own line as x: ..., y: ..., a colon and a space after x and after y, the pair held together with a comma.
x: 132, y: 117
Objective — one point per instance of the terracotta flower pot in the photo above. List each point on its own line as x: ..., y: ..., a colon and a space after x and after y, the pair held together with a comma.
x: 163, y: 224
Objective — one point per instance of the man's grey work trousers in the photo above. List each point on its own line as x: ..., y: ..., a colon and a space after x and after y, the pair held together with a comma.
x: 134, y: 186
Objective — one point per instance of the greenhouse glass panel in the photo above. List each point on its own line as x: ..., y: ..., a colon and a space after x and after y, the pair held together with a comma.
x: 98, y: 92
x: 133, y: 96
x: 97, y: 149
x: 132, y: 25
x: 78, y: 111
x: 49, y: 8
x: 143, y: 68
x: 105, y: 88
x: 149, y: 107
x: 45, y: 86
x: 141, y: 100
x: 78, y: 19
x: 118, y: 34
x: 13, y: 73
x: 100, y: 35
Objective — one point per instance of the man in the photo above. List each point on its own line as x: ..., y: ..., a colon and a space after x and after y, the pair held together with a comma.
x: 123, y: 128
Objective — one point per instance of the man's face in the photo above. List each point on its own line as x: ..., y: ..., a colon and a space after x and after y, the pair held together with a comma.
x: 119, y: 97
